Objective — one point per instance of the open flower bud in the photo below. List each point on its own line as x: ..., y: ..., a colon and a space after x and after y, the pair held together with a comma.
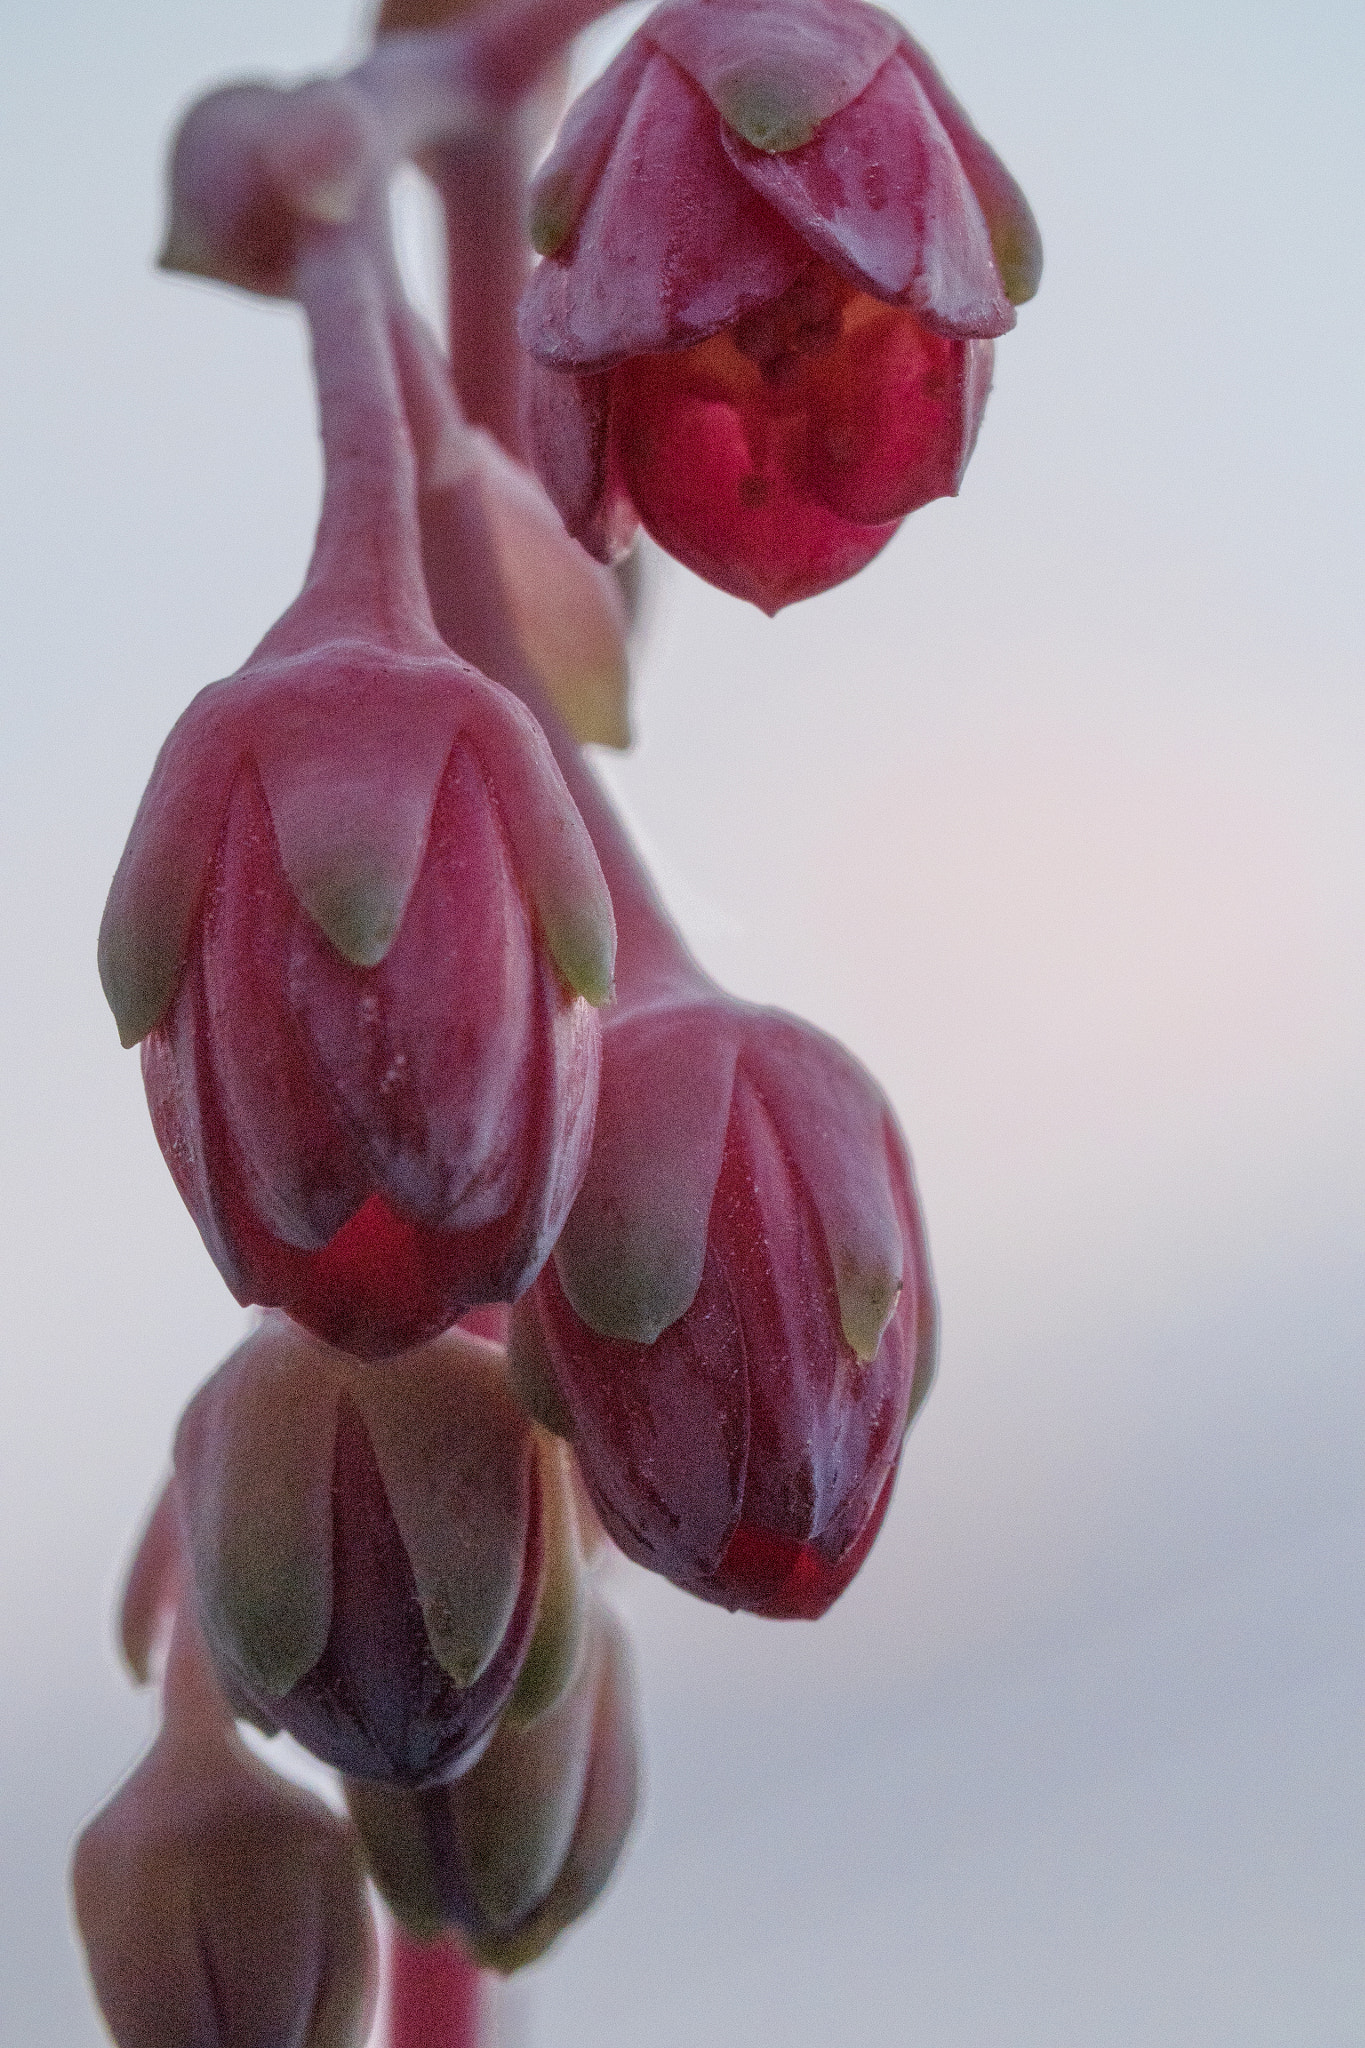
x: 776, y: 258
x: 367, y: 1547
x: 222, y: 1907
x: 359, y: 923
x: 738, y: 1321
x: 525, y: 1842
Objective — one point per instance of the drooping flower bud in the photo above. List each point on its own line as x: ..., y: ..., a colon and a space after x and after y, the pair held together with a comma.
x: 359, y: 923
x: 252, y: 165
x: 776, y: 257
x: 737, y: 1324
x: 368, y: 1548
x: 519, y: 1848
x: 219, y: 1905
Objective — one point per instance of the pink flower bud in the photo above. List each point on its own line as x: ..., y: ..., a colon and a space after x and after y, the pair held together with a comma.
x: 361, y: 928
x: 253, y: 163
x: 220, y: 1906
x: 516, y: 1850
x: 776, y: 256
x: 368, y: 1548
x: 738, y: 1321
x: 359, y: 922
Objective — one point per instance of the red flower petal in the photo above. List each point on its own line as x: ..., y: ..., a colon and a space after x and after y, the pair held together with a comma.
x: 661, y: 1430
x: 672, y: 246
x: 715, y: 464
x: 566, y: 180
x: 894, y: 414
x: 301, y: 1169
x: 776, y: 73
x: 1014, y: 232
x: 881, y: 195
x: 565, y: 420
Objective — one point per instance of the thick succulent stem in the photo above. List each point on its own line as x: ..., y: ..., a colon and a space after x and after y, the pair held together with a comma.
x: 432, y: 86
x: 465, y: 587
x: 365, y: 576
x: 436, y: 1994
x: 482, y: 182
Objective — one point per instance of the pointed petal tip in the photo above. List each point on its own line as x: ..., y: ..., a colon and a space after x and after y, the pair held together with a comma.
x: 359, y: 913
x: 632, y: 1300
x: 585, y: 955
x: 266, y: 1635
x: 768, y: 111
x: 183, y: 254
x: 553, y: 215
x: 448, y: 1634
x: 1018, y: 249
x: 867, y: 1302
x: 138, y: 993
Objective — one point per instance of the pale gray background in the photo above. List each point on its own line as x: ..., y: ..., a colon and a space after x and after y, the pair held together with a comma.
x: 1054, y: 816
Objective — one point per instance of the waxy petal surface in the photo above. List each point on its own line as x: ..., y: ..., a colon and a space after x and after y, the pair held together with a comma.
x: 565, y: 182
x: 430, y: 1054
x: 254, y: 1463
x: 351, y: 753
x: 893, y: 422
x: 775, y: 72
x: 723, y: 489
x: 530, y: 1834
x: 555, y: 1651
x: 672, y: 246
x: 1015, y: 238
x: 301, y: 1169
x: 661, y: 1431
x: 881, y: 196
x: 454, y: 1453
x: 376, y: 1704
x: 832, y: 1115
x: 605, y: 1818
x: 631, y: 1253
x: 565, y: 417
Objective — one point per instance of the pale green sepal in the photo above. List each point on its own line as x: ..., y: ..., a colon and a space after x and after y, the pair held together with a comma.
x: 769, y: 111
x: 555, y: 1649
x: 867, y: 1302
x: 454, y: 1452
x: 254, y: 1457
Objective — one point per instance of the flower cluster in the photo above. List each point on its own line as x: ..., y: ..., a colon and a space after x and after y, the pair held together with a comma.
x: 563, y: 1252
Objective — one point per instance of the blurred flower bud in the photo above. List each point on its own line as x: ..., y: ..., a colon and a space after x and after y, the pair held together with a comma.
x: 512, y: 589
x: 367, y: 1547
x: 738, y: 1321
x: 152, y: 1588
x: 253, y: 163
x: 524, y: 1843
x: 776, y: 255
x: 219, y: 1905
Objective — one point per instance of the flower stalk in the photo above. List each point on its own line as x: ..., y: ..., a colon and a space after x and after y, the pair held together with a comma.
x: 437, y: 1994
x: 566, y: 1243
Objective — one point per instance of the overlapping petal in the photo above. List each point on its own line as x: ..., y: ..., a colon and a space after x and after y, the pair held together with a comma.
x: 367, y: 1548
